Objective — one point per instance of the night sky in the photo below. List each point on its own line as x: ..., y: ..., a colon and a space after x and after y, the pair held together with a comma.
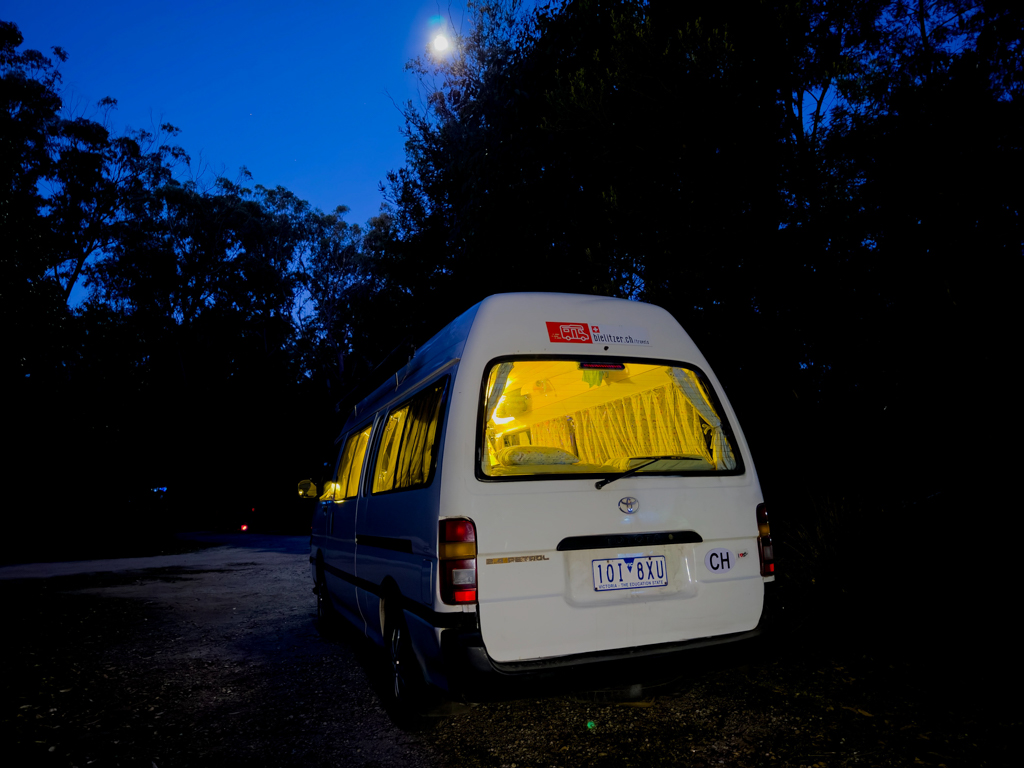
x: 303, y: 94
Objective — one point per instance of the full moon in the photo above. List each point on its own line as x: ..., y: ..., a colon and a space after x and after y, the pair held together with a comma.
x: 440, y: 43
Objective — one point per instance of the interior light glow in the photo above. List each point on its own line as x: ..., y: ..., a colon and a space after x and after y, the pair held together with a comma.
x: 501, y: 419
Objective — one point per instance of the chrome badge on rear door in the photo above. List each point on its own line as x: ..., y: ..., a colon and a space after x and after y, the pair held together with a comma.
x: 628, y: 505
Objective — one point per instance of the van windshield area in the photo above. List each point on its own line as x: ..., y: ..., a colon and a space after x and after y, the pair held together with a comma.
x: 573, y: 417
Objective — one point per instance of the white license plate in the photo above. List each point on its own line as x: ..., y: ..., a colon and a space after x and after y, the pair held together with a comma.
x: 630, y: 573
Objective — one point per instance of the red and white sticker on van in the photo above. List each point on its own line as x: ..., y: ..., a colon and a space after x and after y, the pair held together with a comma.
x: 588, y: 333
x: 569, y: 333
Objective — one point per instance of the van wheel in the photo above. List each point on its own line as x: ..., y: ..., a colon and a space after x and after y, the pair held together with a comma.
x: 405, y: 688
x: 324, y: 608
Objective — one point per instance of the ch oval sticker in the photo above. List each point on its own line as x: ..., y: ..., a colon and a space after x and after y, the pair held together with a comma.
x: 719, y: 560
x: 628, y: 505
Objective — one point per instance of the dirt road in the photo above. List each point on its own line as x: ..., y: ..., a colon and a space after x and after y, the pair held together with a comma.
x: 213, y: 662
x: 217, y: 661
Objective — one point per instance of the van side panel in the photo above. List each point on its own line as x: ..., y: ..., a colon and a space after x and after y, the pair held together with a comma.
x: 396, y: 549
x: 396, y: 539
x: 339, y: 551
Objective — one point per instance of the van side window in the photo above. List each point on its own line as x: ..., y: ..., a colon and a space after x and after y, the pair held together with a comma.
x: 352, y: 463
x: 346, y: 484
x: 408, y: 446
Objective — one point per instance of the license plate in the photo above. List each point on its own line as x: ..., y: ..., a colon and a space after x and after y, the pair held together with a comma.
x: 630, y: 573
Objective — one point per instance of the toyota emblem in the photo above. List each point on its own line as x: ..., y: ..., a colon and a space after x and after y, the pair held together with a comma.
x: 628, y: 505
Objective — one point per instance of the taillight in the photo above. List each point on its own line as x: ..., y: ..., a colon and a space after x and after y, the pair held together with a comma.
x: 764, y: 542
x: 456, y: 553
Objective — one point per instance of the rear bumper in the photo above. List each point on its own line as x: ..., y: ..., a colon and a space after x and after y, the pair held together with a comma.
x: 473, y: 676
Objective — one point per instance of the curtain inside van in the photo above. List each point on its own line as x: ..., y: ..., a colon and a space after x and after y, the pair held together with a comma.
x: 654, y: 423
x: 606, y: 414
x: 496, y: 388
x: 406, y: 453
x: 555, y: 433
x: 352, y: 465
x: 698, y: 398
x: 421, y: 434
x: 387, y: 454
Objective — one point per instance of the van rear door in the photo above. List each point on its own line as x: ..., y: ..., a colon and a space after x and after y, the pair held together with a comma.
x: 664, y: 551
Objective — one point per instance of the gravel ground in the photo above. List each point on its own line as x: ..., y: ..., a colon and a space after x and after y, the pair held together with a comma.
x: 224, y: 665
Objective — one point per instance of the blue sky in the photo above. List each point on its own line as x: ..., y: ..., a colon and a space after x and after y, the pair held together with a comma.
x: 303, y: 93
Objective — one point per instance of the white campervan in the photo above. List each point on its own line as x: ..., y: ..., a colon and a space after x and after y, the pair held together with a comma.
x: 555, y: 487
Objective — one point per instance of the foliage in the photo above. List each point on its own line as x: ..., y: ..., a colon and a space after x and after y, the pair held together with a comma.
x: 820, y: 192
x: 182, y: 367
x: 798, y: 183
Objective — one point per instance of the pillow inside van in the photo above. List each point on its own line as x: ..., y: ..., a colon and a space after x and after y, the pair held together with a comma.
x: 515, y: 455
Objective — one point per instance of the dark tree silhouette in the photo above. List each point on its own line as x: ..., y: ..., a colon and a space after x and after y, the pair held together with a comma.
x: 823, y: 194
x: 818, y: 192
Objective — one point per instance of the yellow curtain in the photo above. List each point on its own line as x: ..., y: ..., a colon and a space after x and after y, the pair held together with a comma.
x: 346, y: 484
x: 341, y: 481
x: 496, y: 382
x: 554, y: 433
x: 496, y: 388
x: 407, y: 445
x: 693, y: 390
x: 352, y: 464
x: 421, y: 432
x: 658, y: 422
x: 387, y: 455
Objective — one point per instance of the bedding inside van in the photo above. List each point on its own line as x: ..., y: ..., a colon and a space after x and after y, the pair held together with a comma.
x: 570, y: 417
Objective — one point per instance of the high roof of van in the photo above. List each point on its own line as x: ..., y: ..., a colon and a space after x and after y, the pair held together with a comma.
x: 539, y: 324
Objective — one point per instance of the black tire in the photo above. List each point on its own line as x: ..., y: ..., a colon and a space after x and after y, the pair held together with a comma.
x: 325, y: 615
x: 404, y: 688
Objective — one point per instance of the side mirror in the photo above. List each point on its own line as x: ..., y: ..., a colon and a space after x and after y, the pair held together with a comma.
x: 307, y: 489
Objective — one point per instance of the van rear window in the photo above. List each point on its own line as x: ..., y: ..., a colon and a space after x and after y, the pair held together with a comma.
x: 570, y: 417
